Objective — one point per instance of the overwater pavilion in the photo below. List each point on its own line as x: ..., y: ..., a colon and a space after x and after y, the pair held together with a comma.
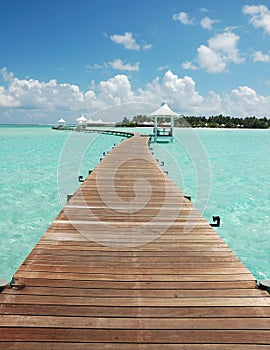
x: 163, y: 132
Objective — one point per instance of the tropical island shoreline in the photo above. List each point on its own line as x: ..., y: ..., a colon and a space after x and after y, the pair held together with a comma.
x: 218, y: 121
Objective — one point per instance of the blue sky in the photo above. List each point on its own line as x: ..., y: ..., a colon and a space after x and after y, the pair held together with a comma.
x: 120, y: 58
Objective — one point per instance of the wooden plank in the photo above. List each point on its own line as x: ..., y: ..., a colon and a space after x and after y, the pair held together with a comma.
x: 136, y: 336
x: 138, y: 266
x: 135, y: 271
x: 141, y: 285
x: 133, y: 323
x: 139, y: 301
x: 127, y: 346
x: 147, y: 278
x: 140, y: 312
x: 135, y: 293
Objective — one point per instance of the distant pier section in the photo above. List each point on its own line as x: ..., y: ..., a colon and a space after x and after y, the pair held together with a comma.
x: 162, y: 123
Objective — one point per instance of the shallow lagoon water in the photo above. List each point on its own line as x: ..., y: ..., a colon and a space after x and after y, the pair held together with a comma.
x: 226, y: 172
x: 235, y: 184
x: 33, y: 160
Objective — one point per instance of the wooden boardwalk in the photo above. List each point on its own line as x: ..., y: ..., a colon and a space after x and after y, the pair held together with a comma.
x: 129, y: 263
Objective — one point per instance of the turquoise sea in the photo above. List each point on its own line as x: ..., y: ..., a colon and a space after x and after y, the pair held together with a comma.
x: 226, y: 172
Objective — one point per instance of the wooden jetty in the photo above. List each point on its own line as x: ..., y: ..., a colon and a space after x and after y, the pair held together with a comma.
x: 107, y: 131
x: 130, y: 264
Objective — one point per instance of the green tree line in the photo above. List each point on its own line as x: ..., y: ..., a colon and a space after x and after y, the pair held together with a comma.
x: 218, y: 121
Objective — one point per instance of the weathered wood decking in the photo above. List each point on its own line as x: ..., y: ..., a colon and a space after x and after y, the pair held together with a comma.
x: 125, y: 268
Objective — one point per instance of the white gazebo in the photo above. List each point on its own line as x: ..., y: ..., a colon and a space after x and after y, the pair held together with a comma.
x: 164, y: 111
x: 61, y: 123
x: 81, y: 121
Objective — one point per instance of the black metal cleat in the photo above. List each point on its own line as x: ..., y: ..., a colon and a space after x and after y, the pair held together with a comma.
x: 216, y: 219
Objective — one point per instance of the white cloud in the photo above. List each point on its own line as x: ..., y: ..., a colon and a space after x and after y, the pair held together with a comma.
x: 120, y: 65
x: 226, y: 45
x: 210, y: 60
x: 95, y: 66
x: 7, y: 76
x: 203, y: 9
x: 221, y: 50
x: 178, y: 92
x: 181, y: 88
x: 117, y: 64
x: 116, y: 90
x: 146, y: 46
x: 259, y: 16
x: 246, y: 102
x: 36, y: 101
x: 48, y: 97
x: 6, y: 100
x: 163, y: 68
x: 214, y: 58
x: 258, y: 56
x: 189, y: 65
x: 127, y: 40
x: 207, y: 23
x: 184, y: 18
x: 33, y: 94
x: 246, y: 93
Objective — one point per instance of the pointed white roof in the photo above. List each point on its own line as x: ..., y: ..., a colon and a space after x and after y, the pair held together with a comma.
x: 61, y: 120
x: 81, y: 119
x: 164, y: 111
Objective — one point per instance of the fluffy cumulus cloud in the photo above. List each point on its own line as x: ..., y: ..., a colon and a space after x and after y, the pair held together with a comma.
x: 259, y: 16
x: 129, y: 42
x: 258, y: 56
x: 118, y: 64
x: 207, y: 23
x: 116, y: 90
x: 221, y: 50
x: 31, y: 100
x: 184, y: 18
x: 33, y: 94
x: 226, y: 45
x: 6, y: 100
x: 126, y: 40
x: 181, y: 88
x: 247, y: 102
x: 6, y: 75
x: 177, y: 91
x: 210, y: 60
x: 189, y: 65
